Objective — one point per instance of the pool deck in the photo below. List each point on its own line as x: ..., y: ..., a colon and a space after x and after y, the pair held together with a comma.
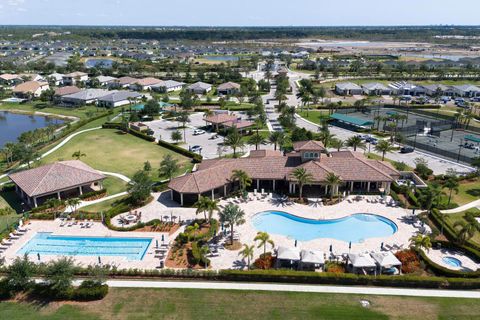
x: 436, y: 255
x: 164, y: 208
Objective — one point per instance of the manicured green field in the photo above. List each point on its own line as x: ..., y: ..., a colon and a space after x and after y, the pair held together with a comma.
x: 114, y: 185
x: 451, y: 218
x: 81, y: 112
x: 213, y: 304
x: 314, y: 116
x: 467, y: 192
x: 102, y: 206
x: 112, y: 151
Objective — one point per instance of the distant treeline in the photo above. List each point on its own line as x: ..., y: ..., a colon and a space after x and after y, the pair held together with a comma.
x: 398, y: 33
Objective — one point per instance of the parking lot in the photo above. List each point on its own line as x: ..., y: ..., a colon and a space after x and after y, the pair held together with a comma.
x: 210, y: 142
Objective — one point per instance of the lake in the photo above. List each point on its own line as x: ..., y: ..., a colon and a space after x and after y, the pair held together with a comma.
x: 99, y: 63
x: 12, y: 125
x: 222, y: 58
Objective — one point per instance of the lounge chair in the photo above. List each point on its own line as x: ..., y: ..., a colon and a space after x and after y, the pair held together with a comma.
x: 63, y: 222
x: 6, y: 242
x: 12, y: 236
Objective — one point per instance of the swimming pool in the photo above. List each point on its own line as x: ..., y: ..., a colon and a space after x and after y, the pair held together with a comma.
x: 452, y: 262
x: 354, y: 228
x: 44, y: 243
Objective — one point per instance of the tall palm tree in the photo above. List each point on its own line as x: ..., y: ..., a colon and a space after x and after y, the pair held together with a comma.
x: 275, y: 138
x: 234, y: 140
x: 73, y: 203
x: 263, y: 239
x: 325, y: 136
x: 243, y: 179
x: 333, y: 181
x: 247, y: 253
x: 383, y: 146
x: 452, y: 185
x: 232, y: 215
x: 206, y: 205
x: 355, y: 142
x: 421, y: 242
x: 302, y: 177
x: 255, y: 140
x: 430, y: 197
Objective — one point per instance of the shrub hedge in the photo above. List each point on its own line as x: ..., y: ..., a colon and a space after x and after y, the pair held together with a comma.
x: 92, y: 194
x: 141, y: 135
x: 195, y: 156
x: 90, y: 291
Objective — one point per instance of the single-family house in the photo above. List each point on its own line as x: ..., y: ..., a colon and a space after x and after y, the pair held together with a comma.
x: 30, y: 89
x: 122, y: 82
x: 83, y: 97
x: 74, y: 78
x: 348, y: 89
x: 10, y: 79
x: 105, y: 80
x: 55, y: 78
x: 376, y: 89
x: 118, y: 99
x: 168, y: 86
x: 228, y: 88
x: 438, y: 90
x: 466, y: 90
x: 63, y: 91
x: 199, y: 88
x: 144, y: 84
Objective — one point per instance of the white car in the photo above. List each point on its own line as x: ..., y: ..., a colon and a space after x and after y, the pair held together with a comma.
x: 197, y: 132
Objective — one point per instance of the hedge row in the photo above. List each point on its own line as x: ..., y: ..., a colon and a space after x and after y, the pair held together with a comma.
x: 93, y: 194
x: 413, y: 106
x: 195, y: 156
x: 450, y: 233
x: 141, y: 135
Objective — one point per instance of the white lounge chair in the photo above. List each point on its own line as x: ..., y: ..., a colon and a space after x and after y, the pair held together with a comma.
x: 12, y: 236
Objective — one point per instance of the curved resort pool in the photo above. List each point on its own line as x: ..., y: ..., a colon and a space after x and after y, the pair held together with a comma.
x: 452, y: 262
x: 354, y: 228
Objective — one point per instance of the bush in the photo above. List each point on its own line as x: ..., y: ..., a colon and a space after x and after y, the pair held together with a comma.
x: 141, y: 135
x: 93, y: 194
x: 195, y: 156
x: 409, y: 260
x: 90, y: 290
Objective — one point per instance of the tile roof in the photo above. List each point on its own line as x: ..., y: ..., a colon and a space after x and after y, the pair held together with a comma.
x: 350, y: 166
x: 309, y: 145
x: 120, y: 96
x: 8, y: 76
x: 125, y: 80
x: 228, y: 86
x: 29, y: 86
x: 62, y: 91
x: 199, y: 85
x: 220, y: 118
x: 147, y: 81
x: 56, y: 176
x: 88, y: 94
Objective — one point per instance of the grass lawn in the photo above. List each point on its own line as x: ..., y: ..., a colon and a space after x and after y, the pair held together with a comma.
x: 81, y: 112
x: 114, y: 185
x: 314, y: 116
x: 102, y: 206
x: 467, y: 192
x: 215, y: 304
x: 112, y: 151
x: 10, y: 199
x: 7, y: 221
x: 379, y: 157
x: 451, y: 218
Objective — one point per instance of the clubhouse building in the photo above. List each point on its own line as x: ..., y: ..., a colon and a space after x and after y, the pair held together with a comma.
x: 271, y: 170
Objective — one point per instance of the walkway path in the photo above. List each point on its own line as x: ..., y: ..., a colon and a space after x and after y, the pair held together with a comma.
x: 473, y: 204
x: 293, y: 288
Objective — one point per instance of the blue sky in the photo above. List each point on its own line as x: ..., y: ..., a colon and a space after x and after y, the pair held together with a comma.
x: 240, y: 12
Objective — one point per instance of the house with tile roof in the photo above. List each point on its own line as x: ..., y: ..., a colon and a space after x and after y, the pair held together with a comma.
x: 272, y: 171
x: 199, y: 88
x: 59, y: 180
x: 30, y: 89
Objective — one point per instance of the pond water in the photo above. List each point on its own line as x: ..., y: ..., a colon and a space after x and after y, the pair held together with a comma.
x: 222, y: 58
x: 12, y: 125
x: 99, y: 63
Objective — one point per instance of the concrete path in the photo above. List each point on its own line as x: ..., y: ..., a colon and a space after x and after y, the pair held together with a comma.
x: 473, y: 204
x: 117, y: 175
x: 293, y: 288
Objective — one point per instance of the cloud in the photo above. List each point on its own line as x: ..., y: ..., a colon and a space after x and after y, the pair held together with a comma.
x: 15, y: 2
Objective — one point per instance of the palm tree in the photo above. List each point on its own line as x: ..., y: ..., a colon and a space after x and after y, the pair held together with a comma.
x: 325, y: 136
x: 421, y: 242
x: 234, y: 140
x: 275, y: 138
x: 337, y: 143
x: 468, y: 227
x: 452, y: 185
x: 303, y: 177
x: 247, y: 253
x: 73, y: 203
x: 255, y: 140
x: 333, y: 181
x: 243, y: 179
x: 206, y: 205
x: 183, y: 117
x: 383, y: 146
x: 263, y: 238
x: 429, y: 197
x: 355, y: 142
x: 232, y: 215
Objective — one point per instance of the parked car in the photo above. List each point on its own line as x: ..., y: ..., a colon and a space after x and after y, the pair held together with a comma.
x: 213, y: 137
x: 196, y: 148
x: 406, y: 149
x: 197, y: 132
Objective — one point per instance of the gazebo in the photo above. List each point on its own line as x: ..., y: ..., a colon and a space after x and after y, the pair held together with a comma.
x: 312, y: 259
x: 361, y: 262
x: 288, y: 255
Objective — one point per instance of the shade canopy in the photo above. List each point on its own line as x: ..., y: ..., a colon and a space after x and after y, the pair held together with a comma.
x: 312, y: 256
x: 386, y: 259
x: 352, y: 120
x: 471, y: 137
x: 361, y: 260
x: 284, y: 253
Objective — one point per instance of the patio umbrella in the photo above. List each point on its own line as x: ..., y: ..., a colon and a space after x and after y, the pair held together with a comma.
x: 99, y: 260
x: 163, y: 238
x: 349, y: 245
x: 381, y: 245
x: 331, y: 248
x: 295, y: 242
x: 38, y: 256
x: 156, y: 243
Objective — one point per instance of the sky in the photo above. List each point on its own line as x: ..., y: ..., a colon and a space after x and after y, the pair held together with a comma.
x: 239, y: 12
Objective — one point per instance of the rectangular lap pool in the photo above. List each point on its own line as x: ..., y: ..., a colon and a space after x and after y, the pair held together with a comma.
x: 47, y: 244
